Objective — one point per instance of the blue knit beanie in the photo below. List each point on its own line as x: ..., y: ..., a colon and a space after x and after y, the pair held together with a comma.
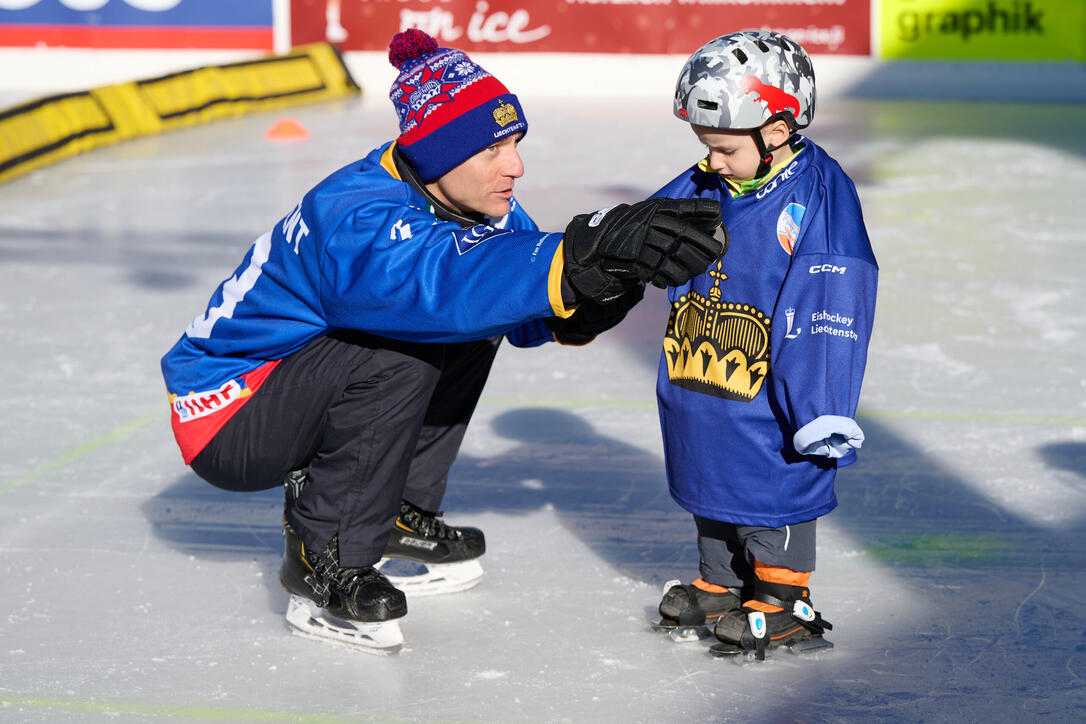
x: 449, y: 108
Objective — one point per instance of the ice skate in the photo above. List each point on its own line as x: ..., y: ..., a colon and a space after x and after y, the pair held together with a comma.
x: 426, y: 556
x: 687, y: 612
x: 357, y: 607
x: 779, y: 616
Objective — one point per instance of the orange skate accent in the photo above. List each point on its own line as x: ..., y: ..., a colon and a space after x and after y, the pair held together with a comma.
x: 787, y: 633
x: 763, y: 607
x: 708, y: 587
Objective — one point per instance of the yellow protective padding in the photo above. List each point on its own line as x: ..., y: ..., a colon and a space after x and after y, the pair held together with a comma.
x: 40, y: 132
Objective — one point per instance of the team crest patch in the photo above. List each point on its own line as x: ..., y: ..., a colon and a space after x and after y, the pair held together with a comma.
x: 788, y: 224
x: 468, y: 239
x: 717, y: 347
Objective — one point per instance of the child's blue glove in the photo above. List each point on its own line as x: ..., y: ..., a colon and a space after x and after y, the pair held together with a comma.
x: 830, y: 436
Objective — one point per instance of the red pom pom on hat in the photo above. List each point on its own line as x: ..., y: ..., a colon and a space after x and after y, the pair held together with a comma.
x: 411, y: 44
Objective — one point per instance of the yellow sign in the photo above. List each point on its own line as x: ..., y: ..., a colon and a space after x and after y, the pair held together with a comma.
x: 49, y: 129
x: 1022, y: 30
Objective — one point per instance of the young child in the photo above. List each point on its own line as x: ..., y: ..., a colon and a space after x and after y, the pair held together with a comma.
x: 764, y: 353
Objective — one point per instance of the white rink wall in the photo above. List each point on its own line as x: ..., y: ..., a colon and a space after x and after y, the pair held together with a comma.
x: 27, y: 73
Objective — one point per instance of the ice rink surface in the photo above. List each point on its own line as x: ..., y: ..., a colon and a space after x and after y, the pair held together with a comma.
x: 952, y: 570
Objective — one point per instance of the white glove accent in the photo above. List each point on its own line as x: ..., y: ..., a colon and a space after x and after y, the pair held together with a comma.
x: 830, y: 436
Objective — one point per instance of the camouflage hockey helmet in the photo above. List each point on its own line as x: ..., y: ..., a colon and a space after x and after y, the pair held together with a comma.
x: 743, y: 80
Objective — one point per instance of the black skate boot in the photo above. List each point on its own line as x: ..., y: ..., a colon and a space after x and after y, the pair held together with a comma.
x: 687, y: 611
x: 779, y: 615
x: 447, y: 556
x: 355, y: 606
x: 419, y: 535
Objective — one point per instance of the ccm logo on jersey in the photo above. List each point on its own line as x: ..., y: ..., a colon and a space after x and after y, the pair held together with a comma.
x: 827, y: 269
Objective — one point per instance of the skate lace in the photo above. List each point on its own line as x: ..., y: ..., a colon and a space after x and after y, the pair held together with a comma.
x: 428, y: 524
x: 327, y: 571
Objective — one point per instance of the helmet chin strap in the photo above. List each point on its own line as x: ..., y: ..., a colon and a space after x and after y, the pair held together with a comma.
x: 765, y: 153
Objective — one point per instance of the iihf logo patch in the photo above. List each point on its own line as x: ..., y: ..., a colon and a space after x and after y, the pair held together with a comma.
x: 468, y: 239
x: 201, y: 404
x: 788, y: 224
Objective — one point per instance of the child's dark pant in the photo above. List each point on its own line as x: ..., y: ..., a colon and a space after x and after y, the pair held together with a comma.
x: 727, y: 550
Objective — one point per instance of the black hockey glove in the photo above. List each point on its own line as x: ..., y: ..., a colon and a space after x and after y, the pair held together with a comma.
x: 593, y: 318
x: 660, y: 241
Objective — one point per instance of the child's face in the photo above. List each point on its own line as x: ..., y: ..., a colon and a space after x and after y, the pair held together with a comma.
x: 732, y: 154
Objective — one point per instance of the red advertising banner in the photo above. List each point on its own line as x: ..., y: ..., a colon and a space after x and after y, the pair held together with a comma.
x: 583, y: 26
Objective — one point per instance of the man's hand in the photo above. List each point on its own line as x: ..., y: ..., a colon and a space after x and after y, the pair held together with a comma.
x: 660, y: 241
x: 593, y: 318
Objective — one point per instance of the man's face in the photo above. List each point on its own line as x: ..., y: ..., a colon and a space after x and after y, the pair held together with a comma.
x: 484, y: 183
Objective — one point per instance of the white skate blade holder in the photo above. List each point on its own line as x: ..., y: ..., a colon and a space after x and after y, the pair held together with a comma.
x: 431, y: 579
x: 310, y: 620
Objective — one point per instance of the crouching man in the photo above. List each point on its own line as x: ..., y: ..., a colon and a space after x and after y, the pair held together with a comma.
x: 346, y: 353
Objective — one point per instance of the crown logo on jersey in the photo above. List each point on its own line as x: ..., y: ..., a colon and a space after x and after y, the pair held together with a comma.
x: 505, y: 114
x: 717, y: 347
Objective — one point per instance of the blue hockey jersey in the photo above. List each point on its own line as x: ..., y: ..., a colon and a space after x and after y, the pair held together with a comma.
x: 361, y: 250
x: 769, y: 340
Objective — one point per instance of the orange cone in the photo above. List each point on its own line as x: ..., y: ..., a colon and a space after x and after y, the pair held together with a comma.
x: 287, y: 129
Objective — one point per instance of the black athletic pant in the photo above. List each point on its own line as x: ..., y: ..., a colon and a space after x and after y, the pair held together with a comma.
x: 373, y: 419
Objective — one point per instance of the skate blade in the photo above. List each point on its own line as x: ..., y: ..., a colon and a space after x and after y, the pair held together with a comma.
x: 311, y: 621
x: 681, y: 634
x: 742, y: 656
x: 809, y: 646
x: 434, y: 578
x: 726, y: 651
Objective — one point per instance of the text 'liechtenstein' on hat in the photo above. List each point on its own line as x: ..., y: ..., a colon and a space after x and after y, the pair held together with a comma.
x: 449, y: 107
